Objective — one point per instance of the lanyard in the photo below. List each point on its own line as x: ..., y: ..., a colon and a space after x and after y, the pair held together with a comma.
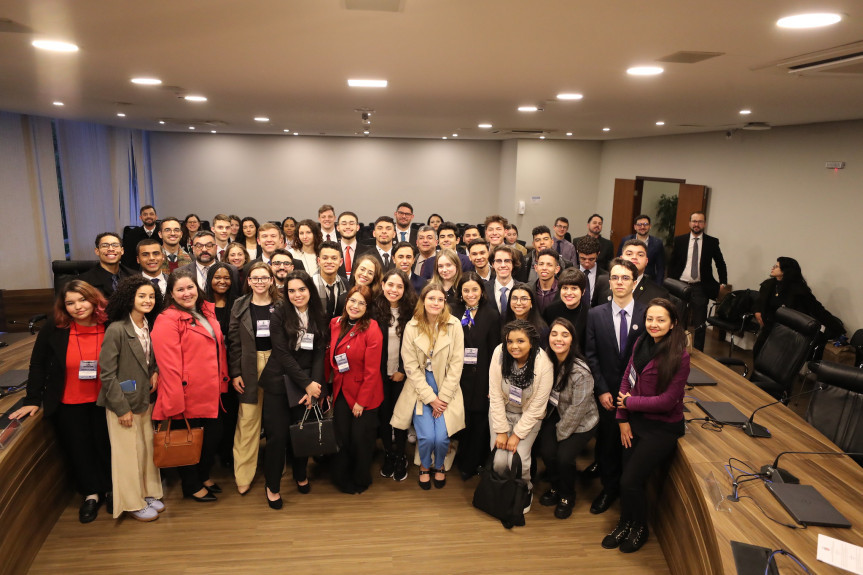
x: 98, y: 344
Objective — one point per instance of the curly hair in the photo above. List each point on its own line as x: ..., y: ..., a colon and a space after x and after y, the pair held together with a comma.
x: 122, y: 301
x: 508, y: 363
x: 406, y: 304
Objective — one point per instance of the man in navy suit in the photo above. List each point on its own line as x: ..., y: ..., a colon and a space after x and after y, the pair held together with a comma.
x: 404, y: 215
x: 134, y: 234
x: 384, y: 233
x: 351, y: 249
x: 612, y: 329
x: 655, y: 250
x: 692, y: 262
x: 404, y: 255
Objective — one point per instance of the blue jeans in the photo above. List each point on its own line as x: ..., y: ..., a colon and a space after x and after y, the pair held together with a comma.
x: 432, y: 437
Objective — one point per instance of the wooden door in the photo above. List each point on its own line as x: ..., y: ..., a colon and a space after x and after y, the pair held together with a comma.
x: 627, y: 204
x: 690, y: 198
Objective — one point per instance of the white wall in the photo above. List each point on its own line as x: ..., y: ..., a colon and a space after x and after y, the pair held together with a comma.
x: 770, y: 196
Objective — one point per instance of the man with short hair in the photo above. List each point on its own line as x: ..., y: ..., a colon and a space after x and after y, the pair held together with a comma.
x: 495, y: 230
x: 655, y: 250
x: 612, y: 329
x: 150, y: 258
x: 645, y: 288
x: 606, y: 248
x: 351, y: 249
x: 171, y: 232
x: 565, y: 248
x: 477, y: 251
x: 541, y: 241
x: 328, y: 281
x: 327, y: 220
x: 222, y: 234
x: 404, y: 215
x: 282, y: 264
x: 404, y: 254
x: 270, y: 240
x: 588, y: 254
x: 570, y: 304
x: 692, y: 262
x: 547, y: 267
x: 427, y: 246
x: 384, y: 233
x: 510, y: 238
x: 447, y: 237
x: 505, y: 262
x: 204, y: 250
x: 470, y: 233
x: 109, y: 272
x: 134, y: 234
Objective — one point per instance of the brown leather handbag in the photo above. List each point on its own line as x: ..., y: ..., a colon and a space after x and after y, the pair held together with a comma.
x: 179, y: 447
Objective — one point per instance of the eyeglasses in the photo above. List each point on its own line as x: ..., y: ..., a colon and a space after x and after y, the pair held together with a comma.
x: 282, y: 264
x: 113, y: 246
x: 262, y: 280
x: 357, y: 302
x: 643, y: 225
x: 171, y: 230
x: 621, y: 278
x: 208, y: 246
x: 405, y: 214
x: 523, y: 299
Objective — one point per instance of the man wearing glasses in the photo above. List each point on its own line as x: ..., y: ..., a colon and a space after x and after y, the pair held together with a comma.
x: 282, y: 263
x: 505, y: 262
x: 204, y: 253
x: 170, y: 232
x: 109, y: 272
x: 655, y: 252
x: 561, y: 245
x: 404, y: 216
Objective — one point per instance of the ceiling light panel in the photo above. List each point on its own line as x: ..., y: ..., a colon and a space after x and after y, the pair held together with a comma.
x: 55, y: 45
x: 801, y: 21
x: 146, y: 81
x: 645, y: 71
x: 359, y: 83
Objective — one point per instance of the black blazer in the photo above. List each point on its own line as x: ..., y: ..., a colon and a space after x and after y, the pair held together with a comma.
x: 600, y: 348
x: 374, y: 252
x: 360, y: 250
x: 300, y: 365
x: 710, y: 254
x: 644, y: 292
x: 383, y: 325
x: 412, y: 236
x: 577, y: 316
x: 131, y: 236
x: 47, y: 378
x: 485, y: 336
x: 100, y: 278
x: 655, y: 269
x: 242, y: 354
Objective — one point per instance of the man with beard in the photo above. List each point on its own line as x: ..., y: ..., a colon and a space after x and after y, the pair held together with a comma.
x: 134, y: 234
x: 282, y: 263
x: 351, y: 249
x: 606, y: 248
x: 204, y: 250
x: 171, y: 232
x: 404, y: 216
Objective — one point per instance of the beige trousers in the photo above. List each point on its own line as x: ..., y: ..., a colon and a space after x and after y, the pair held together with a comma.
x: 247, y: 436
x: 132, y: 470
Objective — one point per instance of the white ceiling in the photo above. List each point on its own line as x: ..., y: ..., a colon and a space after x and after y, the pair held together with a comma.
x: 451, y: 64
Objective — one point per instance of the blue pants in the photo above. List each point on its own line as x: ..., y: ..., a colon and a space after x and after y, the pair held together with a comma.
x: 431, y: 433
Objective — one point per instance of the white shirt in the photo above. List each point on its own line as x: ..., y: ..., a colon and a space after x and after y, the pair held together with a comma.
x: 686, y: 276
x: 497, y: 289
x: 143, y: 334
x: 332, y: 234
x: 202, y: 275
x: 382, y: 252
x: 615, y: 315
x: 591, y: 279
x: 399, y: 233
x: 163, y: 284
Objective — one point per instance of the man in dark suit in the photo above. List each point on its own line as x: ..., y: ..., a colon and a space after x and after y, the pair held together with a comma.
x: 447, y: 236
x: 692, y: 262
x: 645, y: 288
x: 606, y: 248
x: 109, y: 272
x: 384, y: 233
x: 588, y: 255
x: 404, y: 254
x: 478, y: 252
x: 612, y: 329
x: 347, y: 226
x: 655, y: 250
x: 541, y: 241
x: 404, y: 215
x: 151, y: 258
x: 204, y: 252
x: 329, y: 283
x: 134, y: 234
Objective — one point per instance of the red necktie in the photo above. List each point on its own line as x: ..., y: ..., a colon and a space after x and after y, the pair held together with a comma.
x: 347, y: 259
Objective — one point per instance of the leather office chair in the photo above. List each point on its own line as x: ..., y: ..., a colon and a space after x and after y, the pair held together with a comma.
x: 681, y: 295
x: 790, y: 343
x: 734, y: 315
x: 857, y: 341
x: 837, y: 409
x: 67, y: 270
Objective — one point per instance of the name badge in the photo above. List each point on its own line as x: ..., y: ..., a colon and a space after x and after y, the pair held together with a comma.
x: 263, y: 328
x: 308, y: 341
x: 87, y: 369
x: 128, y: 386
x: 342, y: 362
x: 515, y: 394
x: 470, y: 354
x: 554, y: 398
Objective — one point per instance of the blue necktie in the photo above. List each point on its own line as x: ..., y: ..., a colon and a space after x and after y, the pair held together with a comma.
x: 403, y: 236
x: 624, y: 331
x: 503, y: 300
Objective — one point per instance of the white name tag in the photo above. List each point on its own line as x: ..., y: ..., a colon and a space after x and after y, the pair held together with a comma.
x: 308, y: 341
x: 470, y: 354
x: 87, y: 369
x: 554, y: 398
x: 515, y: 394
x: 263, y: 328
x: 342, y: 362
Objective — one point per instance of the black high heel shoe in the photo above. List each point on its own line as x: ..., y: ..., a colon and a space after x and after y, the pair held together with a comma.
x: 214, y: 488
x: 304, y: 488
x: 277, y: 504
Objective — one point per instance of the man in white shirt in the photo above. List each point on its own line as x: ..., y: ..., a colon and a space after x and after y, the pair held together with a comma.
x: 348, y: 227
x: 404, y: 215
x: 588, y: 254
x: 327, y: 219
x: 282, y: 263
x: 503, y: 262
x: 150, y: 258
x: 204, y: 249
x: 384, y: 232
x: 427, y: 245
x: 477, y: 251
x: 222, y: 233
x: 330, y: 285
x: 269, y: 238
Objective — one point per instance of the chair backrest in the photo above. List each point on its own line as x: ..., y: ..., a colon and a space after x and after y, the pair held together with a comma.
x: 857, y: 342
x: 680, y: 294
x: 837, y: 409
x: 67, y: 270
x: 789, y: 344
x: 736, y: 304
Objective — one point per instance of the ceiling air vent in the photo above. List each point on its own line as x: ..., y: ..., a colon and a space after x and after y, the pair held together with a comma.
x: 842, y: 61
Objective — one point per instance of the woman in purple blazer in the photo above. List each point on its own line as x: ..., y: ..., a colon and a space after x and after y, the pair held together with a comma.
x: 650, y: 415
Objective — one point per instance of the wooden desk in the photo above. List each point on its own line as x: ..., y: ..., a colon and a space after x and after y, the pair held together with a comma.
x: 695, y: 537
x: 34, y: 488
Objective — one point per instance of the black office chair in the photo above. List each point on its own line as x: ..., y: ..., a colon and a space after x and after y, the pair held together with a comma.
x: 837, y: 409
x: 791, y: 342
x: 857, y: 341
x: 680, y: 294
x: 734, y: 315
x: 64, y: 272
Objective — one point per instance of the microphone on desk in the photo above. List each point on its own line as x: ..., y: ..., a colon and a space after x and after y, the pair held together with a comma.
x: 777, y: 475
x: 752, y: 429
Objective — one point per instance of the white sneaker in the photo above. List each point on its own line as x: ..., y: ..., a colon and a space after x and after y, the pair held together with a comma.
x: 412, y: 435
x: 145, y: 514
x: 529, y: 502
x: 155, y: 504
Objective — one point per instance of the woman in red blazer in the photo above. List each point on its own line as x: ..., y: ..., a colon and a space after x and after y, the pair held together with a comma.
x: 193, y: 371
x: 354, y: 359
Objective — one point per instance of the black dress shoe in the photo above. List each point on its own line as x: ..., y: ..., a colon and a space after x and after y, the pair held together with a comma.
x: 564, y: 507
x: 277, y: 504
x: 636, y: 538
x: 214, y: 488
x: 549, y: 498
x: 425, y: 485
x: 616, y: 537
x: 591, y: 471
x: 88, y: 510
x: 109, y: 502
x: 304, y: 488
x: 602, y: 502
x: 209, y: 497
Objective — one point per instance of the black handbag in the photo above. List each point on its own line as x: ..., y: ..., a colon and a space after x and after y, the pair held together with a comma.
x: 313, y: 437
x: 502, y: 495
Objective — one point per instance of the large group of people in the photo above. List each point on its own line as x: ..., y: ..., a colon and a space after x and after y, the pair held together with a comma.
x: 460, y: 334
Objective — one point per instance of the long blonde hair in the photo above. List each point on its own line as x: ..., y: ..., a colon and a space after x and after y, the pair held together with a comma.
x: 420, y: 311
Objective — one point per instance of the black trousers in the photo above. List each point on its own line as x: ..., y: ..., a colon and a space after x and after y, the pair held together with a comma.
x: 82, y: 431
x: 473, y: 441
x: 193, y: 477
x: 653, y: 442
x: 609, y: 450
x: 559, y: 456
x: 277, y: 417
x: 351, y: 468
x: 392, y: 390
x: 698, y: 305
x: 231, y: 403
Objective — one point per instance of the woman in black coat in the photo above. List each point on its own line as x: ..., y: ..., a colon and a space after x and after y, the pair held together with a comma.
x: 481, y: 324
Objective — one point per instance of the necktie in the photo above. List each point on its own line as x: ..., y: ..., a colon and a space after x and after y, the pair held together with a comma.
x: 155, y: 283
x: 348, y: 260
x: 386, y: 261
x: 693, y: 271
x: 115, y: 279
x: 587, y: 286
x: 328, y: 238
x: 503, y: 300
x: 221, y: 255
x: 172, y: 258
x: 403, y: 236
x: 624, y: 331
x: 331, y: 300
x: 557, y: 246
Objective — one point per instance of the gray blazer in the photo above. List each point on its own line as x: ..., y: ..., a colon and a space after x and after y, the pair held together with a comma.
x: 122, y: 358
x: 242, y: 356
x: 576, y: 405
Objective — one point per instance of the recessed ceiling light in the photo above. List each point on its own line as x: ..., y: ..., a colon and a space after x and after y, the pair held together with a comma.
x: 569, y: 96
x: 161, y: 121
x: 196, y: 98
x: 261, y: 119
x: 455, y: 135
x: 444, y: 138
x: 569, y: 133
x: 296, y: 133
x: 809, y: 20
x: 366, y: 132
x: 212, y: 131
x: 745, y: 112
x: 55, y: 46
x: 121, y: 115
x: 606, y: 129
x: 146, y: 81
x: 527, y: 109
x: 286, y: 130
x: 542, y: 137
x: 191, y: 127
x: 484, y: 126
x: 660, y: 123
x: 644, y: 71
x: 59, y: 103
x: 367, y: 83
